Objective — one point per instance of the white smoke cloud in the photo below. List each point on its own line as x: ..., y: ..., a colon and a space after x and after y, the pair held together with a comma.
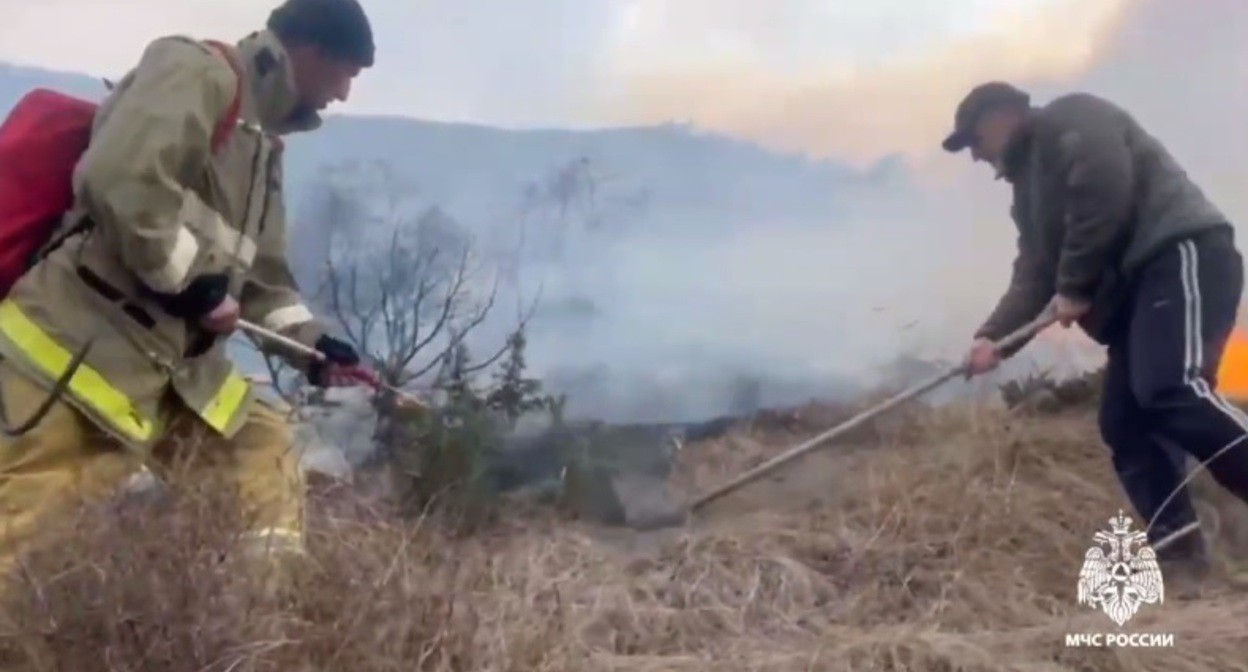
x: 916, y: 265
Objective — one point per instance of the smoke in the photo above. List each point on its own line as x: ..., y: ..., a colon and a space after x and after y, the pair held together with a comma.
x: 920, y: 261
x: 841, y: 109
x: 688, y: 314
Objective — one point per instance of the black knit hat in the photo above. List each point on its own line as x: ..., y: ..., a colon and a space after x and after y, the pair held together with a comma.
x: 340, y: 27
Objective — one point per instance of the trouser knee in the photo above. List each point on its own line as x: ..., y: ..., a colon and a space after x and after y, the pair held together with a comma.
x: 1150, y: 476
x: 270, y: 475
x: 61, y: 462
x: 1114, y: 433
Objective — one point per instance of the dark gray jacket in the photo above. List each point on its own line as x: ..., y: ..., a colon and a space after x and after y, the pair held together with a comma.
x: 1095, y: 196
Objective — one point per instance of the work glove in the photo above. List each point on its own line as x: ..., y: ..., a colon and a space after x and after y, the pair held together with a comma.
x: 206, y: 300
x: 200, y: 297
x: 341, y: 366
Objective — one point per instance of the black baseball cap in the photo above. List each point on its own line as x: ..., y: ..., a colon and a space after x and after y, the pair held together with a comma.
x: 981, y: 99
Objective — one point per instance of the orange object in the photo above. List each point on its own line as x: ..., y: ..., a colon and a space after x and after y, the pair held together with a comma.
x: 1233, y: 369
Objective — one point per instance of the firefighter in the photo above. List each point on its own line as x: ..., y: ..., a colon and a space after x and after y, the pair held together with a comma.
x: 167, y: 245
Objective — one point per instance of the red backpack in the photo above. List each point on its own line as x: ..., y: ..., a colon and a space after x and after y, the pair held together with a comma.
x: 40, y: 143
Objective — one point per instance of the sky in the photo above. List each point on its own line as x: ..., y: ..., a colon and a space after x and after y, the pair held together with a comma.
x: 851, y: 81
x: 592, y: 62
x: 847, y: 80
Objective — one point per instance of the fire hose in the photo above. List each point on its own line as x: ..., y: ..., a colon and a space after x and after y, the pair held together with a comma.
x: 367, y: 377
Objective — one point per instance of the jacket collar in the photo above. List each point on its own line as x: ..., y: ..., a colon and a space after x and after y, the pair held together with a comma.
x: 1014, y: 156
x: 274, y: 100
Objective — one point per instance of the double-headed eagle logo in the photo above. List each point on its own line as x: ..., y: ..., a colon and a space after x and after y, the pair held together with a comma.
x: 1121, y: 572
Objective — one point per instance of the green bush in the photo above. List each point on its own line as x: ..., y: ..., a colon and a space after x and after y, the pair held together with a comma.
x: 445, y: 469
x: 441, y: 458
x: 1041, y: 393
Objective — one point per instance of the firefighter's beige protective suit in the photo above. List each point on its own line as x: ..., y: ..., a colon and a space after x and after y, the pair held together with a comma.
x: 165, y: 209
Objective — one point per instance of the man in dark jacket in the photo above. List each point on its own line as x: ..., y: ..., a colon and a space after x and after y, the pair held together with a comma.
x: 1114, y: 236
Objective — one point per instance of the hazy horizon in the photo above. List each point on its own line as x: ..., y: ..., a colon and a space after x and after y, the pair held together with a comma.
x: 908, y: 263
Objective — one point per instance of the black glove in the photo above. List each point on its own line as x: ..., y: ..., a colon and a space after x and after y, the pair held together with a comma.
x: 336, y: 352
x: 203, y: 294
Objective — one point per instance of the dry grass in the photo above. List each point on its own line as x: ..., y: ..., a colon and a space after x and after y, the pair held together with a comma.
x: 953, y: 546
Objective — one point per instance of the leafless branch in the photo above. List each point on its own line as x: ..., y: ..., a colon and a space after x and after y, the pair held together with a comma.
x: 407, y: 303
x: 274, y: 365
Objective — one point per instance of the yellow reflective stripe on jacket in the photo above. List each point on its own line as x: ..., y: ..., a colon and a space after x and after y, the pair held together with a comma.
x: 226, y: 403
x: 279, y: 538
x: 87, y: 384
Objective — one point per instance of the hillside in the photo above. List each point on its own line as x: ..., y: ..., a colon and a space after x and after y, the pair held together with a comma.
x: 16, y: 80
x: 635, y: 325
x: 953, y: 542
x: 707, y: 305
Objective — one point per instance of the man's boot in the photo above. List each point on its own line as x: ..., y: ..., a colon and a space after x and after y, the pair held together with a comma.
x: 1184, y: 559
